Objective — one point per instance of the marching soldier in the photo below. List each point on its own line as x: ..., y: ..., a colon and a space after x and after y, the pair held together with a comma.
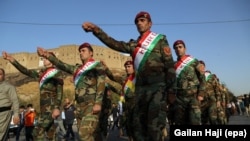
x: 51, y: 92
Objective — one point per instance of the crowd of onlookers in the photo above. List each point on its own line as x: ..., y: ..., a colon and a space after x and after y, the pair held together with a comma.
x: 64, y: 119
x: 239, y: 107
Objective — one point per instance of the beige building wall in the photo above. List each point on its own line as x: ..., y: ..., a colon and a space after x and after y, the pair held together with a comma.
x: 68, y: 54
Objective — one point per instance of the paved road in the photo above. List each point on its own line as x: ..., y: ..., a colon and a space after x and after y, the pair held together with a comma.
x: 114, y: 135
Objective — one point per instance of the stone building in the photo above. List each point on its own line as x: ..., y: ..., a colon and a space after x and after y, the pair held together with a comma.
x: 68, y: 54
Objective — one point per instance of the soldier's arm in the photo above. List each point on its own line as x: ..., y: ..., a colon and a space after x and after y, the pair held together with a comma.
x: 202, y: 79
x: 59, y: 90
x: 120, y: 46
x: 169, y: 66
x: 112, y: 88
x: 101, y: 74
x: 19, y: 67
x: 24, y: 70
x: 217, y: 89
x: 61, y: 65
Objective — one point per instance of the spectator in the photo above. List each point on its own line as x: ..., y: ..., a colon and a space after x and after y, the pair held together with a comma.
x: 115, y: 113
x: 29, y: 122
x: 246, y: 104
x: 21, y: 123
x: 8, y: 100
x: 69, y: 110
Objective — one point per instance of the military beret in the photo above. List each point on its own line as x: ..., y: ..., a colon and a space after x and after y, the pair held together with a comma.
x: 87, y: 45
x: 143, y: 14
x: 179, y: 42
x: 128, y: 63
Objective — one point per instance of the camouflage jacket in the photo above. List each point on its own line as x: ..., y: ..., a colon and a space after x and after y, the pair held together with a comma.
x: 191, y: 79
x: 212, y: 87
x: 121, y: 80
x: 52, y: 87
x: 159, y: 66
x: 91, y: 86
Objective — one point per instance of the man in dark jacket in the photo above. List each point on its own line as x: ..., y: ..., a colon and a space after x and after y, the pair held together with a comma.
x: 69, y: 109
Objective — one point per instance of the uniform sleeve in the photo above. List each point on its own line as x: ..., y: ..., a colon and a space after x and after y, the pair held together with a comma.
x: 217, y: 89
x: 168, y: 66
x: 61, y: 65
x: 202, y: 79
x: 120, y: 46
x: 59, y: 90
x: 101, y: 74
x: 24, y: 70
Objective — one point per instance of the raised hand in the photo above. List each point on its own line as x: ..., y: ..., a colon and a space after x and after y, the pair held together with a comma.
x: 42, y: 52
x: 89, y: 27
x: 8, y: 57
x: 104, y: 64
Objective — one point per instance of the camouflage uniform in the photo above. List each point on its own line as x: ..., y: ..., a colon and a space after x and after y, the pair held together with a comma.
x: 51, y: 93
x: 209, y: 107
x: 190, y: 83
x: 88, y: 91
x: 222, y: 117
x: 156, y: 76
x: 129, y: 106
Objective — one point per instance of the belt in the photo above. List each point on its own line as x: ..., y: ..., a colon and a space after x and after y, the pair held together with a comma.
x: 3, y: 109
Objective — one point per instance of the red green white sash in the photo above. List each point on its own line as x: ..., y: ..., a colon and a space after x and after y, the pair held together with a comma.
x: 49, y: 73
x: 129, y: 85
x: 182, y: 64
x: 83, y: 69
x: 208, y: 75
x: 145, y: 47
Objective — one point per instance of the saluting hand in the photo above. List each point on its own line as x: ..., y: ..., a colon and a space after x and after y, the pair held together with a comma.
x: 104, y: 64
x: 42, y: 52
x: 88, y: 27
x: 8, y: 57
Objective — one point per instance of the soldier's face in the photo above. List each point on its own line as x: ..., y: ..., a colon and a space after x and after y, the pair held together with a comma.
x: 129, y: 69
x: 85, y: 54
x: 143, y: 25
x: 202, y: 68
x: 180, y: 50
x: 1, y: 76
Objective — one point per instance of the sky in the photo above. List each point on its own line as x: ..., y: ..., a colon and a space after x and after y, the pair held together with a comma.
x: 215, y: 31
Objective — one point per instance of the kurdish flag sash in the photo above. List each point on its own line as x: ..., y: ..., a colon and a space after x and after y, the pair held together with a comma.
x: 208, y: 76
x: 182, y: 64
x: 145, y: 47
x: 129, y: 85
x: 83, y: 69
x: 49, y: 73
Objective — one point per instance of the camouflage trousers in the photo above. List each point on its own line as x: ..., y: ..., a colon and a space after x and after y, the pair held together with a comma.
x: 150, y: 114
x: 187, y: 110
x: 222, y: 118
x: 129, y: 114
x: 45, y: 128
x: 209, y: 112
x: 87, y: 122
